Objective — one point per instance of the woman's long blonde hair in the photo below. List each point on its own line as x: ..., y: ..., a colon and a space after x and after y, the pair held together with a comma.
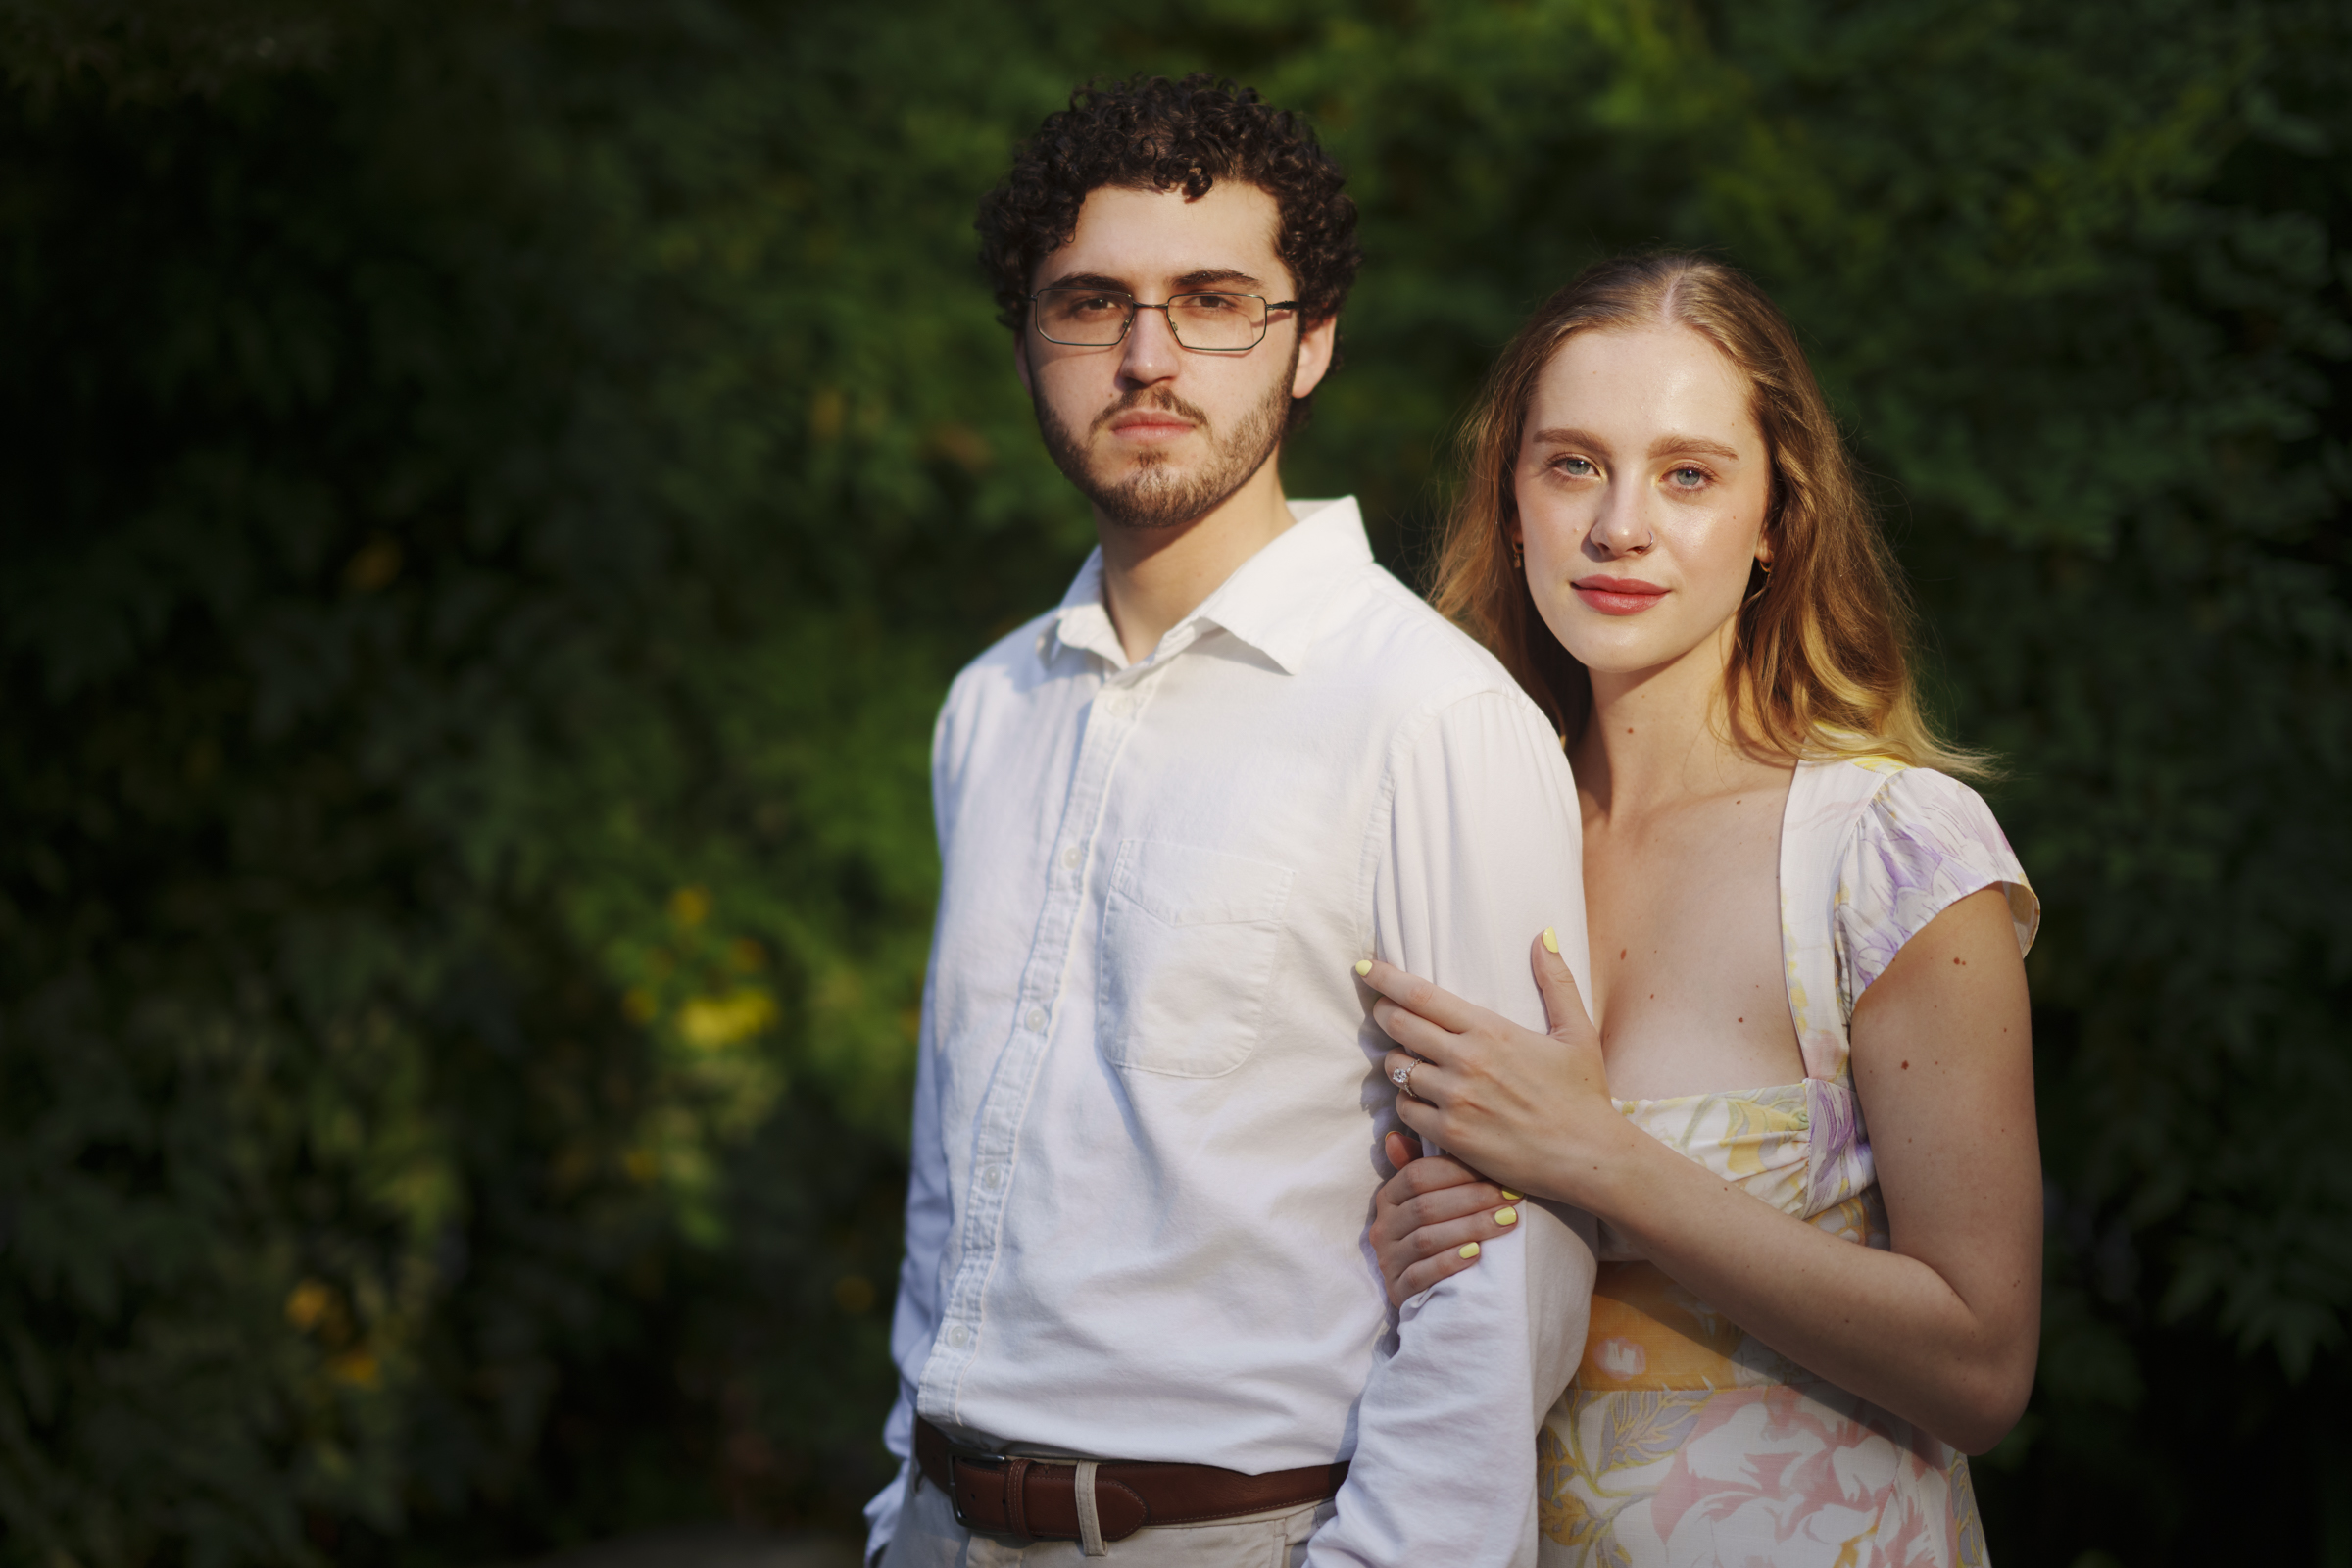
x: 1819, y: 661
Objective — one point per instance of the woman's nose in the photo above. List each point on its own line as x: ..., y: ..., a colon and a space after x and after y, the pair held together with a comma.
x: 1620, y: 530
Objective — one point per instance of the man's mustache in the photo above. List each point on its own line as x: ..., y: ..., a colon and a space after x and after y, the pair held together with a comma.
x: 1159, y: 397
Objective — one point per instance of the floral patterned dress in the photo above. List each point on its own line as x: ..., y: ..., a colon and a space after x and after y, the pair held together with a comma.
x: 1682, y: 1442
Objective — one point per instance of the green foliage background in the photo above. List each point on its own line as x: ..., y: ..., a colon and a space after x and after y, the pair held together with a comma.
x: 490, y: 496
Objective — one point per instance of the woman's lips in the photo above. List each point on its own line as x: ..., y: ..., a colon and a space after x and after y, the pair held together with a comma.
x: 1618, y: 596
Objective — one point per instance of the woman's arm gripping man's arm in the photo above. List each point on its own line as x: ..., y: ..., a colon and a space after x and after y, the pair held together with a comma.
x: 1942, y: 1330
x: 1433, y: 1219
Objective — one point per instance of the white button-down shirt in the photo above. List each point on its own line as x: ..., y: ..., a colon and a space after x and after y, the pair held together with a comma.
x: 1150, y: 1100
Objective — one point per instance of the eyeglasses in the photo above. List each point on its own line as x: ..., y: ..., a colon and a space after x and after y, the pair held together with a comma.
x: 1208, y: 323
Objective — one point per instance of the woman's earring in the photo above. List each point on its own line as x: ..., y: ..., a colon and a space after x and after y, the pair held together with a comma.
x: 1518, y: 556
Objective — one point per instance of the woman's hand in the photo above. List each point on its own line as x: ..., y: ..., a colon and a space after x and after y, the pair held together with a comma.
x: 1432, y: 1218
x: 1532, y: 1110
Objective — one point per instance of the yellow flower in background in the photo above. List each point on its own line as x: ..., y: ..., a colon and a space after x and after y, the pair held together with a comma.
x: 308, y: 1304
x: 690, y: 906
x: 710, y: 1022
x: 358, y: 1368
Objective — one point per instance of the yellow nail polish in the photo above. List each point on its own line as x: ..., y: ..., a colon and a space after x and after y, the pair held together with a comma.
x: 1551, y: 940
x: 1506, y: 1216
x: 1363, y: 966
x: 1470, y: 1249
x: 1511, y: 1197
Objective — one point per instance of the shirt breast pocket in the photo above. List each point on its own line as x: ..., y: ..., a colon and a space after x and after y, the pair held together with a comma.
x: 1189, y: 940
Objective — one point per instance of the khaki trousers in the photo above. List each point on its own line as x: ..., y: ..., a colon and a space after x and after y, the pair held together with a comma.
x: 928, y: 1537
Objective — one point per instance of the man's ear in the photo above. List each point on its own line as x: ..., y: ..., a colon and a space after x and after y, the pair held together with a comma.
x: 1020, y: 358
x: 1316, y: 344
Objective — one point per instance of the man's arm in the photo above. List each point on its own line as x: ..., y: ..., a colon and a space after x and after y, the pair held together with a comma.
x: 1484, y: 849
x: 915, y: 1320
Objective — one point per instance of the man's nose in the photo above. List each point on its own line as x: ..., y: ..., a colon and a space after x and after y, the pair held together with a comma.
x: 1150, y: 353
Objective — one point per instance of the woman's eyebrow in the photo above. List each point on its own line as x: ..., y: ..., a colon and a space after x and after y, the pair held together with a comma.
x: 1691, y: 442
x: 1563, y: 437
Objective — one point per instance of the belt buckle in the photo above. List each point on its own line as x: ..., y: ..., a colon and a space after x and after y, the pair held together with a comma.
x: 1013, y: 1478
x: 956, y: 1463
x: 1008, y: 1476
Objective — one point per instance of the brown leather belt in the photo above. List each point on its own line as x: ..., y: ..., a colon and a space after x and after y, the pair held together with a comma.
x: 1037, y: 1500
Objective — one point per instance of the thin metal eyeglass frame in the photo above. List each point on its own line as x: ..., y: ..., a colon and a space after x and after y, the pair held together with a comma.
x: 1265, y: 323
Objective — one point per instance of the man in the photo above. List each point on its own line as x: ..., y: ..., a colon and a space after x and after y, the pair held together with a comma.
x: 1138, y: 1316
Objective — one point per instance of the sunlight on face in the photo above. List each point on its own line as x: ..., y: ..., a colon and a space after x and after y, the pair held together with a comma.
x: 1643, y: 484
x: 1151, y: 432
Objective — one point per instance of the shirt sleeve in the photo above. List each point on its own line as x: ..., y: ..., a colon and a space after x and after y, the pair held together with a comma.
x: 1925, y: 842
x: 915, y: 1320
x: 1483, y: 851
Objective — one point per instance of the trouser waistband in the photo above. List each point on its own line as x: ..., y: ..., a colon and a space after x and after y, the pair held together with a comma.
x: 1042, y: 1499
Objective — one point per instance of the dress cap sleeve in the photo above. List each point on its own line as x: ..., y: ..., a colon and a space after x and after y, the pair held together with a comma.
x: 1925, y: 842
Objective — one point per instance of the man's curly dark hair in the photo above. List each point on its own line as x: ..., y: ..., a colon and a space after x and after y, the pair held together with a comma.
x: 1151, y: 133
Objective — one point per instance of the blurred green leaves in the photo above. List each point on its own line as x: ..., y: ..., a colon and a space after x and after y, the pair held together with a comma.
x: 491, y: 499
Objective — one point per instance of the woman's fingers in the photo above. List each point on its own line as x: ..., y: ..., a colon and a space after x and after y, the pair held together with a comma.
x: 1434, y: 1218
x: 1433, y: 1252
x: 1415, y: 1077
x: 1413, y: 1032
x: 1431, y: 1211
x: 1450, y: 1205
x: 1563, y: 1003
x: 1417, y: 996
x: 1418, y: 1173
x: 1426, y: 1189
x: 1421, y: 1276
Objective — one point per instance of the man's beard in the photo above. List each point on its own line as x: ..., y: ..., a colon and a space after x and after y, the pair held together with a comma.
x: 1151, y: 496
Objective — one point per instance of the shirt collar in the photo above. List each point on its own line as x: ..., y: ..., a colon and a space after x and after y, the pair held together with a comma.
x: 1271, y: 602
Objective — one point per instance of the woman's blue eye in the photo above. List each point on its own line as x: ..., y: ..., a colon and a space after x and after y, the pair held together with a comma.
x: 1576, y: 468
x: 1689, y: 478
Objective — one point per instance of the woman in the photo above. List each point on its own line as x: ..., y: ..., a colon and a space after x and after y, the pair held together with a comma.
x: 1802, y: 925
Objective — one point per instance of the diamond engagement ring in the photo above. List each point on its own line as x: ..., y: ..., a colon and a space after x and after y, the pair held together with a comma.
x: 1404, y: 1077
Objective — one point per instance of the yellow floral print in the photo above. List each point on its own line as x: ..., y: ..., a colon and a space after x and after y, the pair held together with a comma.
x: 1684, y: 1442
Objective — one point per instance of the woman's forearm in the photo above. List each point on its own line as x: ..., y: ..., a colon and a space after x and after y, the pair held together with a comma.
x: 1942, y: 1330
x: 1879, y: 1324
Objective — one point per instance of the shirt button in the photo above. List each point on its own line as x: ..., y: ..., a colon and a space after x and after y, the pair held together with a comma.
x: 1071, y: 857
x: 959, y: 1336
x: 993, y: 1177
x: 1037, y: 1021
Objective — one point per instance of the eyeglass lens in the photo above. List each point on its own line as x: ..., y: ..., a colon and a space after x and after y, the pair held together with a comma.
x: 1092, y: 318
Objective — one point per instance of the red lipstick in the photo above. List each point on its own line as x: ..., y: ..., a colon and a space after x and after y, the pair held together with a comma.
x: 1618, y: 596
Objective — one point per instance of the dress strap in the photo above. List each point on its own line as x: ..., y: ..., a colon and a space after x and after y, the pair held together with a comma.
x: 1825, y: 798
x: 1872, y: 851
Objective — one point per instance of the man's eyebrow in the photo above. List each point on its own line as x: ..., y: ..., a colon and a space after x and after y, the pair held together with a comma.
x: 1210, y: 276
x: 1110, y: 285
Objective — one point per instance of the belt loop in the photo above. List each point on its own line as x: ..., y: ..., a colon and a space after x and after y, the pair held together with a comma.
x: 1090, y: 1522
x: 1017, y: 1499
